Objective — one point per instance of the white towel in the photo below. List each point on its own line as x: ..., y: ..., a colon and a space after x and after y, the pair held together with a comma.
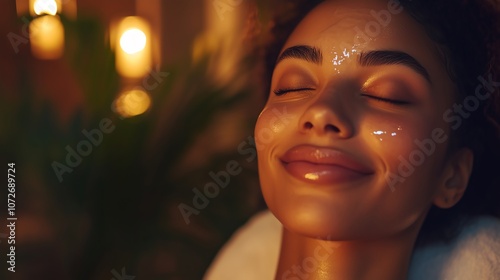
x: 252, y: 253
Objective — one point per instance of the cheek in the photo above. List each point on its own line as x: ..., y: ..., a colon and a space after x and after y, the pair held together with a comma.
x: 389, y: 137
x: 273, y: 125
x: 411, y: 149
x: 273, y: 131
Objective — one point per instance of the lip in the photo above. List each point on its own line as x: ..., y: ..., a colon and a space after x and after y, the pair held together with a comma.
x: 323, y: 165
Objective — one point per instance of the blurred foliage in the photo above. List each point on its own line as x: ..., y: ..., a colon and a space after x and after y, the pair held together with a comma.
x: 119, y: 206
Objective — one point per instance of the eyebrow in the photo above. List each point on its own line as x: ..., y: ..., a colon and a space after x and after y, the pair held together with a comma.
x: 374, y: 58
x: 371, y: 58
x: 307, y: 53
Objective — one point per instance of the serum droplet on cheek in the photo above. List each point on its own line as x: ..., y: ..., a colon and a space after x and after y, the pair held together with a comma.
x: 385, y: 134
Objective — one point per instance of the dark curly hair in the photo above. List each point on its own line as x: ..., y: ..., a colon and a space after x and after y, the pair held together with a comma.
x: 460, y: 28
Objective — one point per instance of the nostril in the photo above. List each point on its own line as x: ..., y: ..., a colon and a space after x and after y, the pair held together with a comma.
x: 330, y: 127
x: 308, y: 125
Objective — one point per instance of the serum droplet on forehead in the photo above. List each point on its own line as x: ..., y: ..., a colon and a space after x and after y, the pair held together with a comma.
x: 342, y: 36
x: 340, y: 55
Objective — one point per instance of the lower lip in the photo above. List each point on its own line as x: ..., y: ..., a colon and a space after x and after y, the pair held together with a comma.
x: 323, y: 174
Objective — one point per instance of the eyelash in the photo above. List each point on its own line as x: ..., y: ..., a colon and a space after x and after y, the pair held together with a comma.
x: 279, y: 92
x: 283, y: 91
x: 386, y: 100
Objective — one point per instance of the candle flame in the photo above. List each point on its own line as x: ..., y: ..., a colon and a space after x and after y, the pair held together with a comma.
x: 133, y: 41
x: 45, y: 7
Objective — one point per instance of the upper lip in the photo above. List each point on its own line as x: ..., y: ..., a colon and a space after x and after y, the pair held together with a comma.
x: 324, y: 156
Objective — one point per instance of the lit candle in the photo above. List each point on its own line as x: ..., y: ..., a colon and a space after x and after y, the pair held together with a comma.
x: 51, y: 7
x: 47, y: 37
x: 40, y: 7
x: 133, y: 47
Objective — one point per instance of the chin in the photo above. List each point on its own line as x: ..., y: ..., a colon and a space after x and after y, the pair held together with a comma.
x: 321, y: 221
x: 319, y: 230
x: 313, y: 221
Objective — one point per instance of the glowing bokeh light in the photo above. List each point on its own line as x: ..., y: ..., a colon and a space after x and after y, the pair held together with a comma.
x: 132, y: 103
x: 133, y: 41
x: 47, y: 37
x: 45, y: 7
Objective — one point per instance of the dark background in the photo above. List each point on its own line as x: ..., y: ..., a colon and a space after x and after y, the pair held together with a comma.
x: 118, y: 209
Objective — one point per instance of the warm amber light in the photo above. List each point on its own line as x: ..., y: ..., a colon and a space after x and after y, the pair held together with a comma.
x: 133, y: 41
x: 132, y: 103
x: 47, y: 37
x: 45, y: 7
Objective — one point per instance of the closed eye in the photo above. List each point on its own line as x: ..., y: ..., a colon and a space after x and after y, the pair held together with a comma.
x: 386, y: 100
x: 283, y: 91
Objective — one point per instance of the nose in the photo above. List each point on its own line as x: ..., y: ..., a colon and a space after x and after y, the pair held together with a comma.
x: 326, y: 119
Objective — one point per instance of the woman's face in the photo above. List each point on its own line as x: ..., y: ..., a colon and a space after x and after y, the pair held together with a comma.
x: 352, y: 141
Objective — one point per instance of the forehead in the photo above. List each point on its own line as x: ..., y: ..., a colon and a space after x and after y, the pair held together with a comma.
x: 364, y: 24
x: 343, y: 29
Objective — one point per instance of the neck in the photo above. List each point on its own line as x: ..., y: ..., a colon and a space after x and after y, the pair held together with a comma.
x: 308, y: 258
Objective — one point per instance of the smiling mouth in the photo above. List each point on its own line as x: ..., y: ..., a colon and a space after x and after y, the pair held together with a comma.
x: 322, y: 165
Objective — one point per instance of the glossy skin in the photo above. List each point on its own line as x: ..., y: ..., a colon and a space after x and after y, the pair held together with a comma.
x: 327, y: 162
